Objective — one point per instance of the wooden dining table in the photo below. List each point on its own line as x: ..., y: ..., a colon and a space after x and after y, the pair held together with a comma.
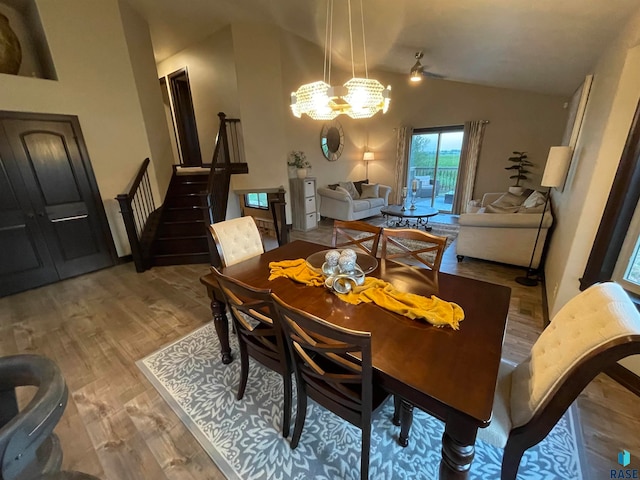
x: 450, y: 374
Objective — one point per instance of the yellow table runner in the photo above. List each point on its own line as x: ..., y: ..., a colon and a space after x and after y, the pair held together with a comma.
x: 434, y: 310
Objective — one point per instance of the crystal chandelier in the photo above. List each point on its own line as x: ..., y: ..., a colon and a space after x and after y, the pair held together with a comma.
x: 358, y: 98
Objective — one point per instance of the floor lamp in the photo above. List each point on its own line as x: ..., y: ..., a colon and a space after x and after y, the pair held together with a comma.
x: 367, y: 157
x: 554, y: 174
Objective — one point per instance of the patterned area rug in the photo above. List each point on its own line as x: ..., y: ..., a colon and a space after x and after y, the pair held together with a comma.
x: 243, y: 437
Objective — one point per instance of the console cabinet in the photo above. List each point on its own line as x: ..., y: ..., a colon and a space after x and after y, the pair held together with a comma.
x: 303, y: 203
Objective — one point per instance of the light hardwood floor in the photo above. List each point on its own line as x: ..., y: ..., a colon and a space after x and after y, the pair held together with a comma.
x: 117, y: 427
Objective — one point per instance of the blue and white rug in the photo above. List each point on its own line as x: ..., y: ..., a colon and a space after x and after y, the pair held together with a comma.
x: 244, y: 437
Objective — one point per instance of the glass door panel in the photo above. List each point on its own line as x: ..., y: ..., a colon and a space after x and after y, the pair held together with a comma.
x: 432, y: 172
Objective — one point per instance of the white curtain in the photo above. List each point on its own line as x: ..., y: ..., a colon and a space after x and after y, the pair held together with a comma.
x: 471, y: 146
x: 403, y: 143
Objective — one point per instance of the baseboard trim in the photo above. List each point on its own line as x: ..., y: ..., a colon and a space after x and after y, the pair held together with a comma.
x: 125, y: 259
x: 624, y: 377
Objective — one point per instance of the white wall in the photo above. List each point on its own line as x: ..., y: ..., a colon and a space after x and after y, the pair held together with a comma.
x: 612, y: 103
x: 96, y: 83
x: 212, y: 78
x: 145, y: 74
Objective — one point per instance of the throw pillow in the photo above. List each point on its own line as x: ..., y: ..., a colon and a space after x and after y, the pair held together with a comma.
x: 535, y: 199
x: 350, y: 187
x: 536, y: 209
x: 370, y: 190
x: 498, y: 209
x: 359, y: 184
x: 509, y: 200
x: 342, y: 190
x: 332, y: 186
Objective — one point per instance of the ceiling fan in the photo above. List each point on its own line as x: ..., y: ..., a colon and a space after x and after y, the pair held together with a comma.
x: 418, y: 71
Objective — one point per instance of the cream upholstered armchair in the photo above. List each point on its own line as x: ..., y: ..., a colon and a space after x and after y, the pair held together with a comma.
x: 590, y: 333
x: 236, y: 240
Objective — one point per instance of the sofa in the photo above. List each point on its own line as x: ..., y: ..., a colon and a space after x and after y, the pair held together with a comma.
x: 344, y: 201
x: 495, y: 231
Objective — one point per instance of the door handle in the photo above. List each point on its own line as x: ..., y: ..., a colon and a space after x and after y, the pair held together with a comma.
x: 66, y: 219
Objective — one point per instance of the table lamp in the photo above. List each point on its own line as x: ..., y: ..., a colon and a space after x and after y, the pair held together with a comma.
x: 554, y: 174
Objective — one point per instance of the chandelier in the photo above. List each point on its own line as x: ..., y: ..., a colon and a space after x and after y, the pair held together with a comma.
x: 357, y: 98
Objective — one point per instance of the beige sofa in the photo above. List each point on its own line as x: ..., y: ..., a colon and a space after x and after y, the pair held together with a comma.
x: 502, y: 237
x: 340, y: 205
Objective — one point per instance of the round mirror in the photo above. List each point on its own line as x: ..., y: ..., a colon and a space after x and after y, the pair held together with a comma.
x: 332, y: 140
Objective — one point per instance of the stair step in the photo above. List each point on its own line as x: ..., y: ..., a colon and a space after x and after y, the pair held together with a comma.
x: 181, y: 259
x: 187, y: 187
x: 183, y: 200
x: 183, y: 229
x: 182, y: 245
x: 176, y: 214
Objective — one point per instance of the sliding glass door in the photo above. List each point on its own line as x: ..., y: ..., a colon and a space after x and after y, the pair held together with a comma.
x: 434, y: 160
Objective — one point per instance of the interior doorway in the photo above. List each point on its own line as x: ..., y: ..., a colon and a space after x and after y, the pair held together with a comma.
x: 184, y: 120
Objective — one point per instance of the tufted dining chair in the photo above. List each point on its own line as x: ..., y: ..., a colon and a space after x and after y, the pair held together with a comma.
x: 591, y: 332
x: 236, y: 240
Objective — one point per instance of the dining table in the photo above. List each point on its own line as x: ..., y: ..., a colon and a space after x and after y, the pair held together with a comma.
x: 450, y: 374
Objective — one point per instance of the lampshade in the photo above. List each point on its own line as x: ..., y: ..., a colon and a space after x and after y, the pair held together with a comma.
x: 368, y: 156
x: 556, y: 168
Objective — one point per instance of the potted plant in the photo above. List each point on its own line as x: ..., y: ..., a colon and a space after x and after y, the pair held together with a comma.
x: 520, y: 164
x: 298, y: 160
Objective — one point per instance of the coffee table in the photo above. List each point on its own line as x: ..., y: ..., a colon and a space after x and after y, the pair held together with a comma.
x: 418, y: 217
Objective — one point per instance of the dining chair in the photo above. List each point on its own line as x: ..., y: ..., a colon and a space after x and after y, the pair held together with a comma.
x: 414, y: 244
x: 332, y: 366
x: 260, y: 335
x: 347, y: 233
x: 236, y: 240
x: 590, y: 333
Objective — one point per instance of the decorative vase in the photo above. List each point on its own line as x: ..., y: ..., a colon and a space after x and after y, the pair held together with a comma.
x: 302, y: 172
x: 10, y: 51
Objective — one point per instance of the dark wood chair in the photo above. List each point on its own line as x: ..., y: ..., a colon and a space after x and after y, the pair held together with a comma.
x: 259, y: 335
x: 346, y: 233
x: 589, y: 334
x: 332, y: 366
x: 418, y: 246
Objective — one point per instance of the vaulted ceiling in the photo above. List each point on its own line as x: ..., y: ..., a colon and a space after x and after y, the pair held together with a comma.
x: 537, y: 45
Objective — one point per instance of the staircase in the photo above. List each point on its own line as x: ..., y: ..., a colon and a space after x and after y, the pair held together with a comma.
x: 182, y: 232
x: 177, y: 233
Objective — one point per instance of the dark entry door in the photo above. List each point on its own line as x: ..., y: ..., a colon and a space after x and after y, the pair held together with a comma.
x: 24, y: 258
x: 51, y: 171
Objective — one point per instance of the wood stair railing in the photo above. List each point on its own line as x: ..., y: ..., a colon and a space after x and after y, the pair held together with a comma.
x: 140, y: 216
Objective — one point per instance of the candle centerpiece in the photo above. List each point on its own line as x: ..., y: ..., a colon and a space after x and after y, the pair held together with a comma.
x: 415, y: 184
x: 405, y: 191
x: 341, y: 271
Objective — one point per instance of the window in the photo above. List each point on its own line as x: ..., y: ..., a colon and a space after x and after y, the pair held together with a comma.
x: 256, y: 200
x: 614, y: 254
x: 434, y: 159
x: 627, y: 269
